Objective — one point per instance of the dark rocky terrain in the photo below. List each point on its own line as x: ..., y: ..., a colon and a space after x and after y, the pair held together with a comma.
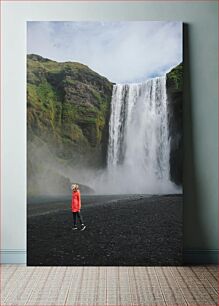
x: 122, y: 230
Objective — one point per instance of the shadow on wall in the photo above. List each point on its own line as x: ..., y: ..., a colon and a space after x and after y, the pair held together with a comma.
x: 192, y: 227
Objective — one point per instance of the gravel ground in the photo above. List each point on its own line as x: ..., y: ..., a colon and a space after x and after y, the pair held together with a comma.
x: 128, y: 230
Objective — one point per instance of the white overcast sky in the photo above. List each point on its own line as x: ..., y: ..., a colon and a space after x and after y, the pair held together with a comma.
x: 123, y: 52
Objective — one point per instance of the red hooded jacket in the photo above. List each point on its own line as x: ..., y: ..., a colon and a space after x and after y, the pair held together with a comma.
x: 76, y: 201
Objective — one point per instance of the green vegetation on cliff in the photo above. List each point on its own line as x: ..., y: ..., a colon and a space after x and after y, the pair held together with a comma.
x: 68, y: 109
x: 175, y: 78
x: 175, y: 116
x: 68, y: 105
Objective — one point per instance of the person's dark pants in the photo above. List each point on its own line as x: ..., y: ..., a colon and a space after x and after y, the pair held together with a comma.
x: 75, y: 216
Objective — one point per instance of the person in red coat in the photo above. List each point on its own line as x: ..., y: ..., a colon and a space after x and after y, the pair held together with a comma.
x: 76, y: 207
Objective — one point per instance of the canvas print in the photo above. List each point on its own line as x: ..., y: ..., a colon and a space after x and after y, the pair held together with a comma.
x: 104, y: 143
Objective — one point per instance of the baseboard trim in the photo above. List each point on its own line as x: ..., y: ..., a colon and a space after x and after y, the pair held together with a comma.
x: 13, y: 256
x: 193, y: 257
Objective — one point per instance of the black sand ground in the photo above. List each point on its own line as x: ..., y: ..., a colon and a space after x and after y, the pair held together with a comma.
x: 135, y: 230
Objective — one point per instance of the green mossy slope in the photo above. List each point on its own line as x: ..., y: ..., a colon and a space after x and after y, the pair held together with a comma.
x: 68, y: 109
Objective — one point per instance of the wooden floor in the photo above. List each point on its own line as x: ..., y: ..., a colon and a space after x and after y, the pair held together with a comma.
x: 21, y: 285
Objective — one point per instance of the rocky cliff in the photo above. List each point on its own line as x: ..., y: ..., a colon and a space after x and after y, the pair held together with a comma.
x: 175, y: 100
x: 68, y: 109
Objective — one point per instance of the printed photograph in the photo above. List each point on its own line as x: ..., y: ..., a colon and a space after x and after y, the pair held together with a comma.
x: 104, y: 143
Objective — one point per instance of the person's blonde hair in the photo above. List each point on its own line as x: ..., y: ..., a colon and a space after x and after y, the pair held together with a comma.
x: 74, y: 186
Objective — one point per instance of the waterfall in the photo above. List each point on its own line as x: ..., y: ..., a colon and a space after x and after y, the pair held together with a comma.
x: 139, y: 145
x: 138, y: 156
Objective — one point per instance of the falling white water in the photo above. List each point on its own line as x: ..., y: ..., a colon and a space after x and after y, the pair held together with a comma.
x: 139, y: 144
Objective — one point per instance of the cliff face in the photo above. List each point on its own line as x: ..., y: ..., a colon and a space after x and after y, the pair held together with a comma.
x: 175, y: 99
x: 68, y: 109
